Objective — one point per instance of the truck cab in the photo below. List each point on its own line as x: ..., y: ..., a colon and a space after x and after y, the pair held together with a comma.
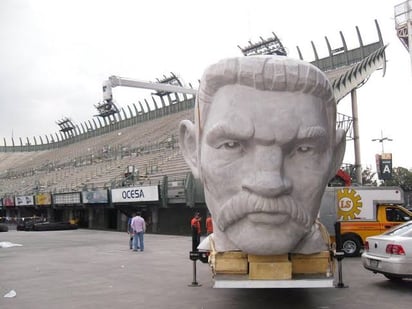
x: 354, y: 232
x: 362, y: 212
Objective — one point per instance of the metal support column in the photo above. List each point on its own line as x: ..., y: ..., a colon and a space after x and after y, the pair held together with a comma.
x: 355, y: 117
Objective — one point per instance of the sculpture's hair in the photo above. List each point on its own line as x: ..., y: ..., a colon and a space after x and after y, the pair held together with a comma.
x: 269, y: 73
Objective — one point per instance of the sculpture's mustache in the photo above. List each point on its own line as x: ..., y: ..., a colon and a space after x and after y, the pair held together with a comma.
x: 246, y: 203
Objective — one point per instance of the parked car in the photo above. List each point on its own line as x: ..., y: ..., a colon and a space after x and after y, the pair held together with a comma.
x: 390, y: 253
x: 27, y: 223
x: 54, y: 226
x: 39, y: 224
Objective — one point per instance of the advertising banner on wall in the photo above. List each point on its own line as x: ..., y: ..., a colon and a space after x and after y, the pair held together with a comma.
x: 8, y: 201
x: 135, y: 194
x: 24, y: 200
x: 95, y: 197
x: 66, y: 198
x: 43, y: 199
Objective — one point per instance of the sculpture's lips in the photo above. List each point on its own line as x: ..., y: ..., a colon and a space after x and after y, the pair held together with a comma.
x: 272, y: 218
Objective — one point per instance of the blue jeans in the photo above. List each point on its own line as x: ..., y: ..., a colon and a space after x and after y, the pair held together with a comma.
x: 138, y: 241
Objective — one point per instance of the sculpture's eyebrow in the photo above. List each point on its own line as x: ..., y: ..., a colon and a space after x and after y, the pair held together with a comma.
x: 312, y: 132
x: 235, y: 131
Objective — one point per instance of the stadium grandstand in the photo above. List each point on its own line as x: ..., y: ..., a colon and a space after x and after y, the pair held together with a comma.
x: 101, y: 171
x: 138, y: 150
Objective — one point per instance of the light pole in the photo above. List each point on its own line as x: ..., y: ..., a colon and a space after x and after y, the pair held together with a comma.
x: 381, y: 140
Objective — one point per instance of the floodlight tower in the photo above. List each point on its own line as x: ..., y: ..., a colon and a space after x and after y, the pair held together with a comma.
x: 403, y: 25
x: 66, y: 126
x: 269, y: 46
x: 171, y: 80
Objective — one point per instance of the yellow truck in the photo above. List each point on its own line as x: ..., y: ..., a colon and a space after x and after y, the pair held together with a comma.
x: 362, y: 212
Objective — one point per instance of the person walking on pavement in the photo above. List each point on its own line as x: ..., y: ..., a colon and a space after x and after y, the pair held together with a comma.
x: 138, y: 225
x: 196, y: 231
x: 130, y: 230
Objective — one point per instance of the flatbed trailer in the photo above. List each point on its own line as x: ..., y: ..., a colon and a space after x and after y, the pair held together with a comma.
x: 299, y: 281
x: 236, y: 281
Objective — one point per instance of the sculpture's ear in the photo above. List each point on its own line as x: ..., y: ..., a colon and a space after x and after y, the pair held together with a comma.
x: 187, y: 143
x: 338, y: 151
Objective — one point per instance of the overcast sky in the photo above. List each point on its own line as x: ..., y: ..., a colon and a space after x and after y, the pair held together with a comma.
x: 55, y: 54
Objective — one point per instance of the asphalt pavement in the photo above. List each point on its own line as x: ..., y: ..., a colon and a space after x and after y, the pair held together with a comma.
x: 96, y: 269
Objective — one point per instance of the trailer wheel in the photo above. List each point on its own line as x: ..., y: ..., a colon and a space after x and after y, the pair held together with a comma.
x: 351, y: 245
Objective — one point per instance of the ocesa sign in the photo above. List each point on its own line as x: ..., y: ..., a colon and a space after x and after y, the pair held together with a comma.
x: 135, y: 194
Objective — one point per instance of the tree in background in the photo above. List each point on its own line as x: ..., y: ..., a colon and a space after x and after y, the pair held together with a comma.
x: 368, y: 177
x: 401, y: 177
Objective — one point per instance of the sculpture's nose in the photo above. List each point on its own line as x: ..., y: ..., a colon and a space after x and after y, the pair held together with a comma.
x: 267, y: 177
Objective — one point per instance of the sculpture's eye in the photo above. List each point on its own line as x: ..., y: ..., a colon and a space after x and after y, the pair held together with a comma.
x: 304, y: 149
x: 231, y: 145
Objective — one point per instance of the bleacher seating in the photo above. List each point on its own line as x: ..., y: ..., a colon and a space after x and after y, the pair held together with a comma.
x: 100, y: 161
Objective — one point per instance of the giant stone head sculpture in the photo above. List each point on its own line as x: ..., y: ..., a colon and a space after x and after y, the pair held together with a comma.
x: 264, y: 144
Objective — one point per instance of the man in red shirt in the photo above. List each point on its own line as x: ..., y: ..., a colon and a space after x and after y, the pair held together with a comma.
x: 209, y: 225
x: 196, y: 231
